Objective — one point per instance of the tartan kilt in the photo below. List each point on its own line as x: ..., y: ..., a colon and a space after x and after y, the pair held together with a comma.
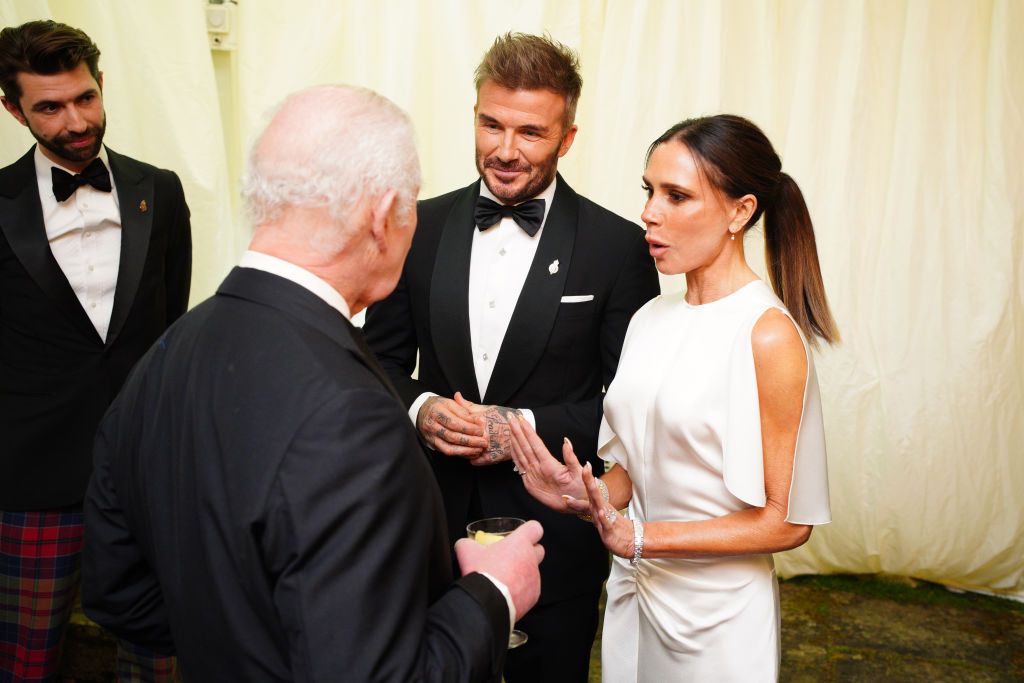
x: 40, y: 561
x: 40, y: 557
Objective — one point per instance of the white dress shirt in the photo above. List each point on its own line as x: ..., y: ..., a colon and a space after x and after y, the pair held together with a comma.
x: 84, y: 232
x: 499, y: 262
x: 307, y: 280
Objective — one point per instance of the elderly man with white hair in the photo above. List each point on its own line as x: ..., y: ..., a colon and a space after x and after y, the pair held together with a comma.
x: 260, y: 505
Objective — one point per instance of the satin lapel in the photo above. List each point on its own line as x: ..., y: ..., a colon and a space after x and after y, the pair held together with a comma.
x: 133, y: 188
x: 21, y: 219
x: 449, y: 296
x: 534, y: 315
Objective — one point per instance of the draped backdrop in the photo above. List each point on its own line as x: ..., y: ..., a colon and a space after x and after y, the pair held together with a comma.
x: 900, y: 119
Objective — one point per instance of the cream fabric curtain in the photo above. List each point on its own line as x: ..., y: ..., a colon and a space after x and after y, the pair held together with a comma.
x: 902, y: 120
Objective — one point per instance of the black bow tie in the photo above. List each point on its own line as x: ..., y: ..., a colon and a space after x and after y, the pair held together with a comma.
x: 65, y: 184
x: 527, y: 215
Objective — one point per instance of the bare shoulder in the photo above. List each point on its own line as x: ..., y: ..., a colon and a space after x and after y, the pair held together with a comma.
x: 779, y: 355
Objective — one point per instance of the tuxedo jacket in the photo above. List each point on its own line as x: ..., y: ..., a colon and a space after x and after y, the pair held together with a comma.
x: 556, y: 357
x: 262, y: 508
x: 57, y: 375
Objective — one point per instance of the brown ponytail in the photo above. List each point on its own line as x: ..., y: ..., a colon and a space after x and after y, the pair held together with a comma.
x: 791, y: 255
x: 738, y: 160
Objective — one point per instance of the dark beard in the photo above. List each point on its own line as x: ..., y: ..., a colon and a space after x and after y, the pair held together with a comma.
x: 531, y: 189
x: 57, y: 144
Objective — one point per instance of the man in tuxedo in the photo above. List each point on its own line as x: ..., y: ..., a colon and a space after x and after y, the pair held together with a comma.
x: 516, y: 295
x: 261, y: 504
x: 95, y: 263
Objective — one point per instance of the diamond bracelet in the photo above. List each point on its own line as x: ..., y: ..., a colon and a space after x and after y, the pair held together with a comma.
x: 638, y: 541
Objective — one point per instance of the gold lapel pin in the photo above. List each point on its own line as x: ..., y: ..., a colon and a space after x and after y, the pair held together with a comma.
x: 143, y: 206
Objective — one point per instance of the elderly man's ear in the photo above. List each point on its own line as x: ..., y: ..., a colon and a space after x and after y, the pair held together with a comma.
x: 384, y: 219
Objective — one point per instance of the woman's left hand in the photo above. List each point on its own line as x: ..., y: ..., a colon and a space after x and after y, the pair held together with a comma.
x: 615, y: 529
x: 557, y: 485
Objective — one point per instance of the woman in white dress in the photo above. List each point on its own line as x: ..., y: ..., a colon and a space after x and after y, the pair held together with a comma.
x: 713, y: 426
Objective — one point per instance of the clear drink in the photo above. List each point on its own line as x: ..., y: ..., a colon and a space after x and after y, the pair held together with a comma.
x: 492, y: 530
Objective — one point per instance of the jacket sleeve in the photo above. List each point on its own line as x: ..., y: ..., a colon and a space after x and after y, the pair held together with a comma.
x: 391, y: 334
x: 358, y: 556
x: 178, y: 264
x: 635, y: 284
x: 119, y: 590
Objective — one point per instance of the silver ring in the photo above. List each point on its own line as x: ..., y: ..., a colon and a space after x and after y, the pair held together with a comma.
x: 515, y: 468
x: 611, y: 516
x: 522, y: 473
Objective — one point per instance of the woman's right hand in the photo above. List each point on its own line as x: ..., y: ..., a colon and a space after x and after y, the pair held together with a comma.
x: 556, y: 485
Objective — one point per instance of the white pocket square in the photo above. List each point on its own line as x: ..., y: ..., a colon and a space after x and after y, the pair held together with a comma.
x: 577, y: 298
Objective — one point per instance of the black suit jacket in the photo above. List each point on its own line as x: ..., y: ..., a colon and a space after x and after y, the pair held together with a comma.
x: 56, y: 375
x: 262, y: 507
x: 556, y: 358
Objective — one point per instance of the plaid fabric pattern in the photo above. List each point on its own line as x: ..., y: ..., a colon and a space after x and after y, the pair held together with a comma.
x: 137, y: 664
x: 40, y: 555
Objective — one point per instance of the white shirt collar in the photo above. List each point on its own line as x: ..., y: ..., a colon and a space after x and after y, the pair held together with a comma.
x: 297, y: 274
x: 547, y: 194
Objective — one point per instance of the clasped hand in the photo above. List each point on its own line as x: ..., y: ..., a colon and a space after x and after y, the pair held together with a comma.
x: 461, y: 428
x: 568, y: 487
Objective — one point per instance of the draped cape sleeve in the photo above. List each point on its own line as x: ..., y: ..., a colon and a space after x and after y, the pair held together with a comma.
x: 743, y: 455
x: 609, y: 446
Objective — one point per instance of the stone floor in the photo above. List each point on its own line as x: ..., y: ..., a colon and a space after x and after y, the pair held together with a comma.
x: 834, y: 628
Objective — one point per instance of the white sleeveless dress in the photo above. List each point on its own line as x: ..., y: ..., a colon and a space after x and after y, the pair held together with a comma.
x: 682, y: 418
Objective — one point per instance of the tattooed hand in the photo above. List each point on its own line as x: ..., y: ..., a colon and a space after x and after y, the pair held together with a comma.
x: 450, y: 428
x: 495, y: 423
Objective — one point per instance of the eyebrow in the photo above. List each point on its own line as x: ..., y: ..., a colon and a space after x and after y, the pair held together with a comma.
x: 530, y: 127
x: 43, y: 104
x: 667, y: 186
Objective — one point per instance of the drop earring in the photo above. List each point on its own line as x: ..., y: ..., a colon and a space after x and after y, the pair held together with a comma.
x: 733, y: 237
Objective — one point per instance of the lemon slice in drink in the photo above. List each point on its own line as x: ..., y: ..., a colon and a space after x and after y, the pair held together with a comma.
x: 484, y: 538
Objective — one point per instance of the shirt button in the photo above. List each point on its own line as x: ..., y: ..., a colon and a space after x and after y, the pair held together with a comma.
x: 501, y: 252
x: 92, y: 305
x: 489, y: 303
x: 90, y: 269
x: 485, y: 356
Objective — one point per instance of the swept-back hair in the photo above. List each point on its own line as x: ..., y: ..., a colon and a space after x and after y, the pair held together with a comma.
x: 521, y: 60
x: 738, y: 159
x: 45, y: 48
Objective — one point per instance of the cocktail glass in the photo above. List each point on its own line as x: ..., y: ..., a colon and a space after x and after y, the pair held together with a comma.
x: 492, y: 530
